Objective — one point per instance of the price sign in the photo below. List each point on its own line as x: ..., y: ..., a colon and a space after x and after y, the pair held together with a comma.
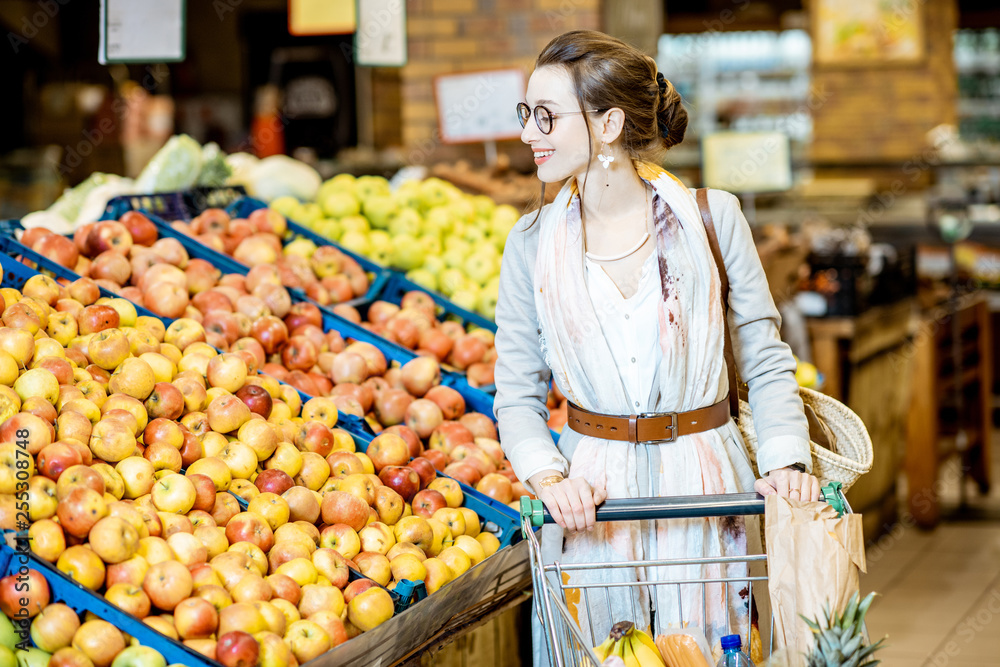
x: 142, y: 31
x: 747, y: 162
x: 381, y: 35
x: 479, y: 106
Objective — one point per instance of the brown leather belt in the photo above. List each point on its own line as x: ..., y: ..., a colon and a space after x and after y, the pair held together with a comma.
x: 648, y: 426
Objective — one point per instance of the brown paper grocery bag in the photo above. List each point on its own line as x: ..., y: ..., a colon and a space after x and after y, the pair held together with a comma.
x: 813, y: 558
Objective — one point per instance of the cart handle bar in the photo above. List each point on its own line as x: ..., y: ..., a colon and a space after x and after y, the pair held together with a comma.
x: 676, y: 507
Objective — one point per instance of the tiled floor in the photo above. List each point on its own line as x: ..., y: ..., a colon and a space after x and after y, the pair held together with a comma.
x: 940, y: 590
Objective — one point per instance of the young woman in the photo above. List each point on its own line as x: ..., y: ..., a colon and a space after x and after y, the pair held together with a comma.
x: 612, y: 290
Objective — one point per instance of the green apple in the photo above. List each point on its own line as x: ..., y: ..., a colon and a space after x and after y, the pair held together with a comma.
x: 481, y: 265
x: 33, y: 657
x: 455, y: 257
x: 434, y: 264
x: 7, y: 657
x: 424, y: 278
x: 356, y: 241
x: 487, y: 305
x: 355, y: 223
x: 301, y: 247
x: 139, y: 656
x: 475, y: 235
x: 408, y: 253
x: 407, y: 195
x: 381, y: 246
x: 288, y: 206
x: 308, y: 214
x: 462, y: 209
x: 372, y: 186
x: 451, y: 280
x: 432, y: 244
x: 466, y: 298
x: 330, y: 228
x: 379, y: 210
x: 407, y: 221
x: 9, y: 637
x: 439, y: 219
x: 483, y: 205
x: 340, y: 204
x: 457, y: 243
x: 435, y: 192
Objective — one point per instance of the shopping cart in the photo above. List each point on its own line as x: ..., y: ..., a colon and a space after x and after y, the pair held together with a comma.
x: 565, y: 642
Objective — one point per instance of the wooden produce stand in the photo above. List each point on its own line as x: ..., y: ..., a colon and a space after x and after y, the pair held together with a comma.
x: 867, y: 363
x: 934, y: 419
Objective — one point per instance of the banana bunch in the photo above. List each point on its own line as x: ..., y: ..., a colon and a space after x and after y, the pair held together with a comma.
x: 633, y: 646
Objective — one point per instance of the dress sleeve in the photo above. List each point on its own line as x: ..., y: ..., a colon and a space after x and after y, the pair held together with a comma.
x: 521, y: 374
x: 764, y: 361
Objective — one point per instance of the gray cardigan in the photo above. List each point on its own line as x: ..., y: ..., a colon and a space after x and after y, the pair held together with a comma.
x: 765, y: 362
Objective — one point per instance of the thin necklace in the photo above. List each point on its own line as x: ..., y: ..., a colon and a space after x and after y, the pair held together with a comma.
x: 630, y: 251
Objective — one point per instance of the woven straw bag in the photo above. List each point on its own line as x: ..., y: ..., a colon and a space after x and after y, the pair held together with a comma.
x: 838, y: 439
x: 840, y: 444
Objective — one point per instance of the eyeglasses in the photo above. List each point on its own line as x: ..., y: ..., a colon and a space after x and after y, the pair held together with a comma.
x: 544, y: 118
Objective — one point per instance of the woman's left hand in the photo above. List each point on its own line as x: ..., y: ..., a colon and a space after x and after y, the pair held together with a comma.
x: 789, y: 483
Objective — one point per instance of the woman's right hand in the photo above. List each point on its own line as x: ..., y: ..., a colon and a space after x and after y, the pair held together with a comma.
x: 571, y: 502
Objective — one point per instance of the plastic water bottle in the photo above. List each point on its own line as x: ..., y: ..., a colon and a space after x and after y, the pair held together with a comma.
x: 732, y: 656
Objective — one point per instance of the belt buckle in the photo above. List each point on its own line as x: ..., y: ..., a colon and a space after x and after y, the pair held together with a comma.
x: 673, y: 422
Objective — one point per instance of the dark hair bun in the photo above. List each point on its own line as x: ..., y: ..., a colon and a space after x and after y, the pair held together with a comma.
x: 671, y: 115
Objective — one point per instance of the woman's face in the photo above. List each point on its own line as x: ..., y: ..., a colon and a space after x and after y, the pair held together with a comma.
x: 564, y: 151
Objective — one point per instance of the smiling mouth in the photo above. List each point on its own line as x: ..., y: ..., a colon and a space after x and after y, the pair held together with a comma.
x: 542, y: 156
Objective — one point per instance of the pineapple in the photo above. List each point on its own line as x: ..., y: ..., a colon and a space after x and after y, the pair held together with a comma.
x: 840, y: 638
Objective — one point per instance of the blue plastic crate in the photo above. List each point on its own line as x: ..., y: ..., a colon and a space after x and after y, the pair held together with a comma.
x: 180, y: 205
x: 399, y: 285
x: 80, y: 599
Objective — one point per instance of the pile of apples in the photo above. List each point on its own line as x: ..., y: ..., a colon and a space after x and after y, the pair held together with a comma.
x: 140, y: 438
x: 445, y: 240
x: 325, y: 274
x: 61, y: 639
x: 413, y: 324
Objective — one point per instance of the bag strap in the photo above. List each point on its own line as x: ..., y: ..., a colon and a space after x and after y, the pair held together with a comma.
x: 713, y: 243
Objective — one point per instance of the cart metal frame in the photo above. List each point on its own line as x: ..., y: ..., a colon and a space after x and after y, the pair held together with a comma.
x: 565, y: 642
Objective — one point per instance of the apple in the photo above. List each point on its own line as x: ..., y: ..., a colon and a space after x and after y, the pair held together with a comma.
x: 427, y: 502
x: 24, y: 591
x: 54, y: 628
x: 227, y: 413
x: 256, y: 398
x: 129, y: 598
x: 259, y: 436
x: 370, y: 609
x: 479, y: 425
x: 83, y: 565
x: 415, y: 530
x: 402, y: 479
x: 167, y: 583
x: 341, y: 538
x: 80, y: 510
x: 388, y: 449
x: 307, y: 640
x: 389, y: 505
x: 451, y: 403
x: 109, y: 348
x: 237, y: 649
x: 343, y: 464
x: 376, y: 537
x: 174, y: 493
x: 449, y: 435
x: 249, y: 527
x: 321, y: 597
x: 100, y: 641
x: 114, y: 539
x: 41, y: 497
x: 450, y: 489
x: 272, y: 507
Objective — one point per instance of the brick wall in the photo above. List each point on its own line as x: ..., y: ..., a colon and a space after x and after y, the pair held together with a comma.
x: 884, y: 113
x: 447, y: 36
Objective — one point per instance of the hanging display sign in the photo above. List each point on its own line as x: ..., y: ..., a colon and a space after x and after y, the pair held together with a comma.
x: 747, y: 162
x: 142, y: 31
x: 479, y: 106
x: 321, y: 17
x: 381, y: 36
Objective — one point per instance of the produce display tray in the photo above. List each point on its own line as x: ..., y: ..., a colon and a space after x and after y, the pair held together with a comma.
x: 475, y: 399
x: 17, y: 273
x: 180, y: 205
x: 80, y: 599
